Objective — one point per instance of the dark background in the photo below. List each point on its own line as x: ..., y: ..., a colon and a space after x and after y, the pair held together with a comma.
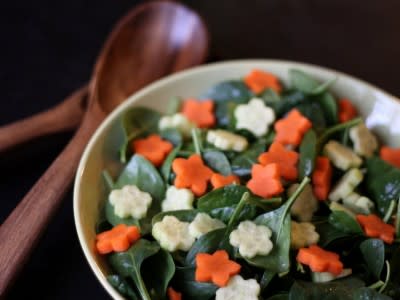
x: 48, y: 48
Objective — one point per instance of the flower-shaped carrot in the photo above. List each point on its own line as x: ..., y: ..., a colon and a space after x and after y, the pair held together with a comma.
x: 153, y: 148
x: 391, y: 155
x: 347, y: 111
x: 191, y: 173
x: 173, y: 295
x: 320, y: 260
x: 290, y: 130
x: 321, y: 178
x: 117, y: 239
x: 374, y: 227
x: 216, y: 267
x: 218, y: 180
x: 265, y: 180
x: 286, y: 160
x: 199, y: 112
x: 258, y: 81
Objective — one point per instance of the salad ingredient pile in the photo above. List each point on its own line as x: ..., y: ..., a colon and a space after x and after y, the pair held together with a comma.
x: 253, y: 190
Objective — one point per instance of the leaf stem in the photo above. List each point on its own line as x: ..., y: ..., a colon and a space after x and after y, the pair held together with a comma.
x: 288, y: 204
x: 397, y: 222
x: 238, y: 210
x: 376, y: 285
x: 390, y: 211
x: 387, y: 277
x: 196, y: 140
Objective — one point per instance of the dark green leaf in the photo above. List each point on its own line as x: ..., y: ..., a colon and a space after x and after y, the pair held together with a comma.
x: 128, y: 263
x: 136, y: 122
x: 382, y: 183
x: 242, y: 164
x: 342, y: 289
x: 373, y: 252
x: 122, y: 286
x: 140, y: 172
x: 330, y: 108
x: 308, y: 154
x: 344, y: 222
x: 229, y: 91
x: 172, y: 135
x: 279, y: 297
x: 222, y: 197
x: 207, y: 243
x: 158, y: 271
x: 270, y: 96
x: 224, y: 113
x: 365, y: 293
x: 313, y: 111
x: 185, y: 215
x: 225, y: 213
x: 217, y: 161
x: 167, y: 164
x: 290, y: 100
x: 114, y: 220
x: 266, y: 278
x: 305, y: 83
x: 328, y: 233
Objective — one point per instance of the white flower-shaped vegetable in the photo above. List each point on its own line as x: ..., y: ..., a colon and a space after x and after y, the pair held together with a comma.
x: 130, y: 202
x: 251, y: 239
x: 177, y: 199
x: 303, y: 235
x: 178, y: 121
x: 226, y: 140
x: 341, y: 156
x: 254, y: 116
x: 305, y: 205
x: 364, y: 142
x: 173, y: 234
x: 202, y: 224
x: 327, y: 276
x: 358, y: 204
x: 239, y: 289
x: 346, y: 184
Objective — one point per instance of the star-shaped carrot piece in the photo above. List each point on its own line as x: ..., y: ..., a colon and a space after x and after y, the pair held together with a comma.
x: 153, y: 148
x: 290, y: 130
x: 218, y: 180
x: 321, y: 178
x: 258, y: 81
x: 390, y: 155
x: 217, y: 268
x: 286, y: 160
x: 347, y: 111
x: 320, y: 260
x: 191, y: 173
x: 265, y: 180
x: 374, y: 227
x: 117, y: 239
x: 199, y: 112
x: 173, y: 295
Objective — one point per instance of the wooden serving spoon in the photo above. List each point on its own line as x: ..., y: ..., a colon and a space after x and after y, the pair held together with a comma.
x: 155, y: 39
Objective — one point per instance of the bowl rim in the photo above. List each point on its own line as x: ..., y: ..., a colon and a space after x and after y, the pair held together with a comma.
x: 156, y: 85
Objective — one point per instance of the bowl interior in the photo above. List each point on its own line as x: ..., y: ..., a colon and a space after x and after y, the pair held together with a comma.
x: 381, y: 111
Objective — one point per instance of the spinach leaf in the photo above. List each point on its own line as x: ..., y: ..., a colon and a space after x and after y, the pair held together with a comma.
x: 122, y: 286
x: 290, y: 99
x: 128, y: 263
x: 382, y: 183
x: 279, y: 222
x: 157, y: 282
x: 242, y: 164
x: 343, y: 222
x: 225, y: 213
x: 313, y: 111
x: 136, y: 122
x: 279, y: 297
x: 270, y: 97
x: 305, y: 83
x: 172, y: 135
x: 266, y: 278
x: 342, y: 289
x: 217, y: 161
x: 222, y: 197
x: 185, y: 282
x: 114, y: 220
x: 328, y: 233
x: 167, y: 164
x: 329, y: 107
x: 233, y: 90
x: 308, y: 154
x: 207, y: 243
x: 140, y: 172
x: 184, y: 215
x: 224, y: 113
x: 373, y: 252
x: 365, y: 293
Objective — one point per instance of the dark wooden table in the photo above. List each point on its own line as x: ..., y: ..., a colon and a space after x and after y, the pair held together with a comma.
x: 48, y: 48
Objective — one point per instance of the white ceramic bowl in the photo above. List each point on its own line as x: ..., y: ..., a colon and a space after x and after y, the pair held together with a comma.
x: 381, y: 111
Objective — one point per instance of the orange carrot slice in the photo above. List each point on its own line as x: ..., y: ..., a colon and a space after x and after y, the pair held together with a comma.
x: 391, y: 155
x: 347, y: 111
x: 286, y: 160
x: 153, y: 148
x: 258, y: 81
x: 374, y: 227
x: 173, y: 295
x: 290, y: 130
x: 218, y: 180
x: 117, y: 239
x: 192, y: 173
x: 217, y: 268
x: 199, y: 112
x: 320, y: 260
x: 265, y: 180
x: 321, y: 178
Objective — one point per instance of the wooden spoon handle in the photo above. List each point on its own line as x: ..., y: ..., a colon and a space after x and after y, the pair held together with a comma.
x: 64, y: 116
x: 22, y: 229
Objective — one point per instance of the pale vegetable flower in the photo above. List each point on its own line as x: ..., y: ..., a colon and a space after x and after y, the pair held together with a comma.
x: 130, y: 202
x: 239, y: 289
x: 177, y: 199
x: 203, y: 224
x: 226, y: 140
